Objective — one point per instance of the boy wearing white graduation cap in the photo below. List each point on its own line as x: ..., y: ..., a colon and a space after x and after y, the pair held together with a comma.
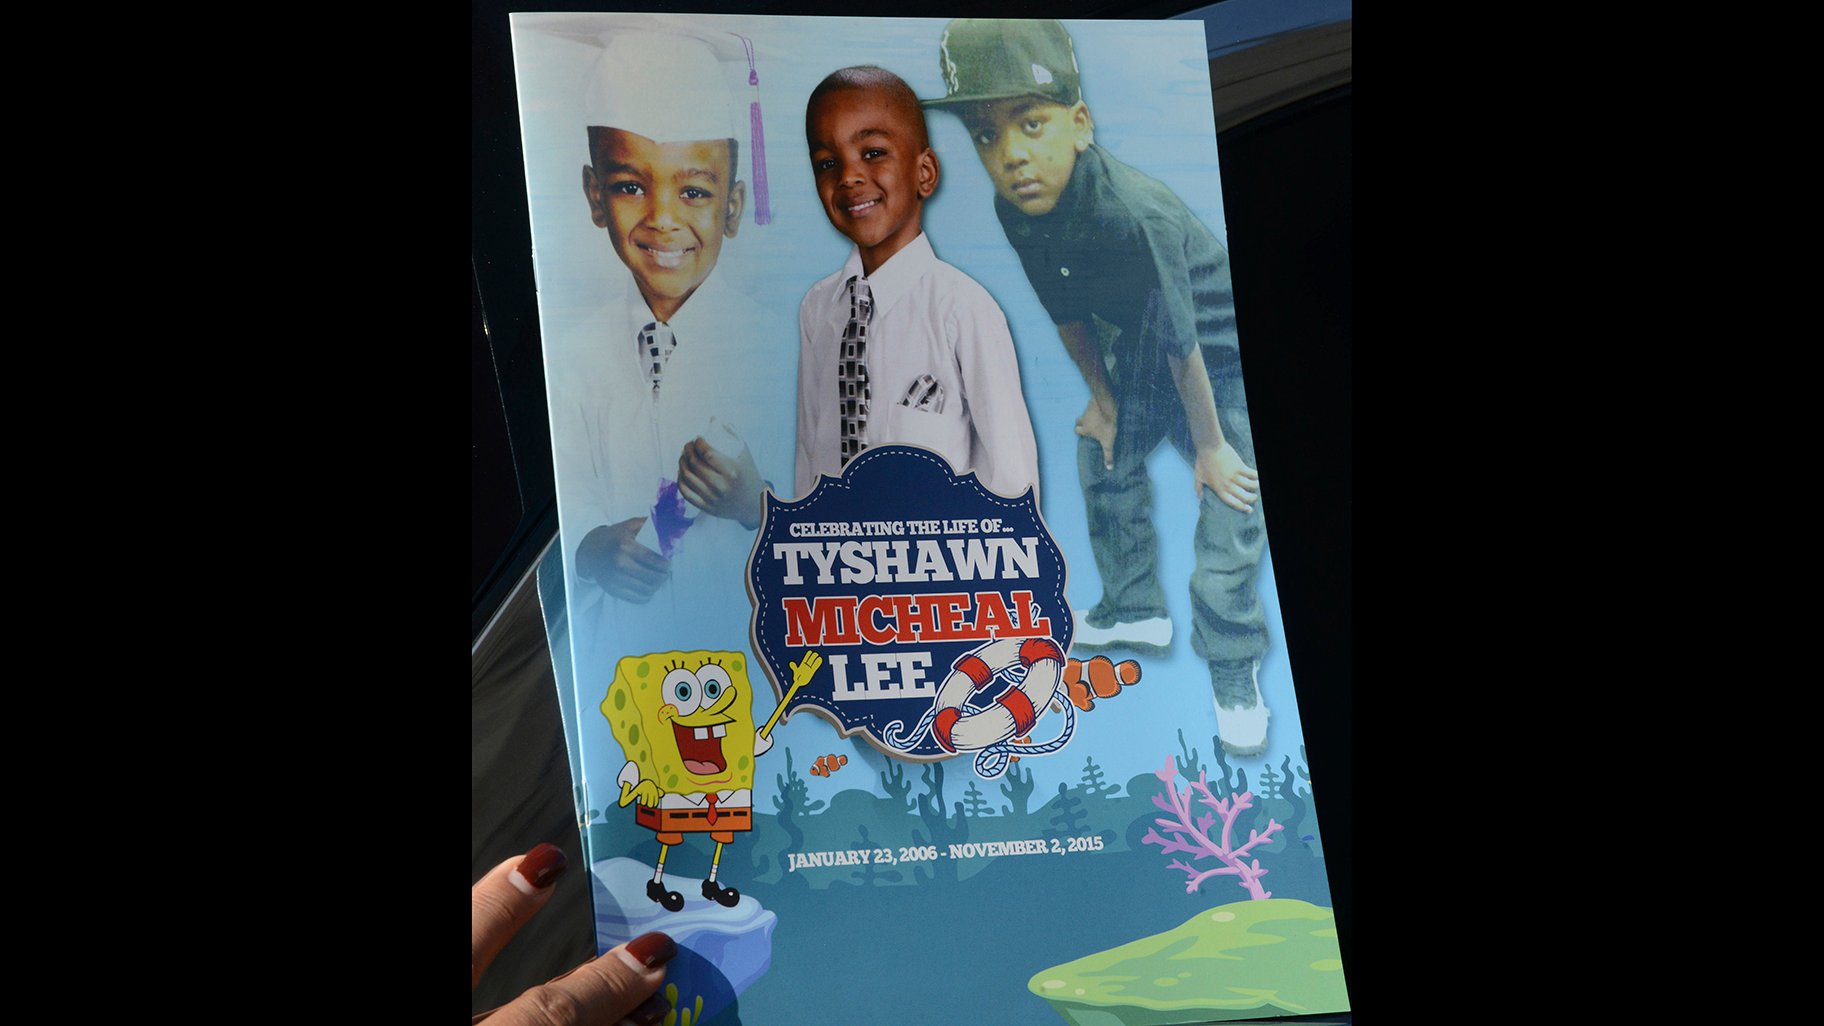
x: 666, y: 381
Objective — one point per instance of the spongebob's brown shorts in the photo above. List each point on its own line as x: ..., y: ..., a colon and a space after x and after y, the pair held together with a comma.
x: 672, y: 824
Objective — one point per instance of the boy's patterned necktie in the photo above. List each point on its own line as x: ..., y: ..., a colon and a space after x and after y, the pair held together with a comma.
x: 852, y: 370
x: 656, y: 343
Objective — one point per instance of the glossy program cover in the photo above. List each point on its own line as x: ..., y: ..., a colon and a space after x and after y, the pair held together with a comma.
x: 923, y: 649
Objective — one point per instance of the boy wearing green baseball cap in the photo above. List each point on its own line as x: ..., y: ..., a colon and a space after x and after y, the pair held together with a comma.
x: 1139, y: 290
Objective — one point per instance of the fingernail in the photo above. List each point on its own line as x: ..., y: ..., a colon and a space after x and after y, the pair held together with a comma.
x: 650, y: 950
x: 651, y: 1010
x: 539, y: 869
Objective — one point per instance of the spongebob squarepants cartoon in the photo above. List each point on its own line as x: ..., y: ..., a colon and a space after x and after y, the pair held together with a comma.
x: 686, y: 722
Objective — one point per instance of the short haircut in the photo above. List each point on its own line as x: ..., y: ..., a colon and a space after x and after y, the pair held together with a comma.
x: 596, y: 134
x: 868, y: 78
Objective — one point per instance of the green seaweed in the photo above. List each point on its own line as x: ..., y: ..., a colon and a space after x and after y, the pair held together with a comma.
x: 1093, y: 785
x: 793, y: 803
x: 793, y: 798
x: 681, y: 1016
x: 1296, y: 801
x: 898, y: 788
x: 1270, y: 783
x: 1017, y: 789
x: 868, y: 874
x: 1070, y: 815
x: 1189, y: 767
x: 974, y: 801
x: 1223, y: 785
x: 943, y: 831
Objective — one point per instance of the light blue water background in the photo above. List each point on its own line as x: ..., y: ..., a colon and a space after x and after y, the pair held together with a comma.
x: 1147, y: 86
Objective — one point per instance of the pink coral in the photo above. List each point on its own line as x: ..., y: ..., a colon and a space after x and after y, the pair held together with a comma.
x: 1193, y: 835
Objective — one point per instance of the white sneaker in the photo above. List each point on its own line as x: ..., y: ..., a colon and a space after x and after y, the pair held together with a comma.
x: 1242, y: 723
x: 1152, y: 636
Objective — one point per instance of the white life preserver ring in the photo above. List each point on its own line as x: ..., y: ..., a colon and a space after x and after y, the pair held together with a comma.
x: 1014, y: 710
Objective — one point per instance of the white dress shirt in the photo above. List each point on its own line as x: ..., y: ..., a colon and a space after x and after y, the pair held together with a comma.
x: 929, y: 319
x: 614, y: 442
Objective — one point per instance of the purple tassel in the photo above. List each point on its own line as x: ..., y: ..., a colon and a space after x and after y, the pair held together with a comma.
x: 670, y: 517
x: 763, y: 213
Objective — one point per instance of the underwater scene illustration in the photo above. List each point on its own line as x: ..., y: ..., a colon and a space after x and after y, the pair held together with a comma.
x: 1195, y: 892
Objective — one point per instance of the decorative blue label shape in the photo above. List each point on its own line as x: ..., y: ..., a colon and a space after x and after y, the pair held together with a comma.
x: 935, y: 610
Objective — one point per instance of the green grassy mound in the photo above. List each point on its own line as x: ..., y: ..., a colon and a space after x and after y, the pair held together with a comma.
x: 1237, y: 961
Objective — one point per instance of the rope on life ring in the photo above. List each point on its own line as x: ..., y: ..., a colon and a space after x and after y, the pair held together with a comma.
x: 992, y: 761
x: 1033, y: 668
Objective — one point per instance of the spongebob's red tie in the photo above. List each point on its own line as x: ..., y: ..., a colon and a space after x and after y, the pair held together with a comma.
x: 712, y: 809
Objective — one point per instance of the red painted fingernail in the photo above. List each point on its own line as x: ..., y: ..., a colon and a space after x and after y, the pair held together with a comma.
x: 652, y: 949
x: 651, y: 1010
x: 540, y: 868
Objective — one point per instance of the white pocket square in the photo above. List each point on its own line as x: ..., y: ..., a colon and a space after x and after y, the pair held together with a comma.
x: 927, y: 394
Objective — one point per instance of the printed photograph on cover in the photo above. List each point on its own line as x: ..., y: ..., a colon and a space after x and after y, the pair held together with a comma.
x: 913, y: 574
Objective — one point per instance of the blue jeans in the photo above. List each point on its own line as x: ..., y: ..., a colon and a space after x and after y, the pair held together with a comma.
x: 1228, y: 623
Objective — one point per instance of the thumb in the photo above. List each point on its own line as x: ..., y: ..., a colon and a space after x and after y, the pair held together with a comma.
x: 506, y: 898
x: 620, y: 986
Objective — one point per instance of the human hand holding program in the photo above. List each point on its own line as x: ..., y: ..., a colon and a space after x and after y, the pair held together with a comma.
x: 618, y: 987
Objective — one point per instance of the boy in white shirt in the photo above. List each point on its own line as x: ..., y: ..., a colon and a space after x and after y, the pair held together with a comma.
x: 898, y: 346
x: 636, y: 383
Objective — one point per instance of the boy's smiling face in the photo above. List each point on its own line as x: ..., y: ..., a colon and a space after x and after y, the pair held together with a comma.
x: 872, y: 169
x: 1029, y: 146
x: 667, y: 208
